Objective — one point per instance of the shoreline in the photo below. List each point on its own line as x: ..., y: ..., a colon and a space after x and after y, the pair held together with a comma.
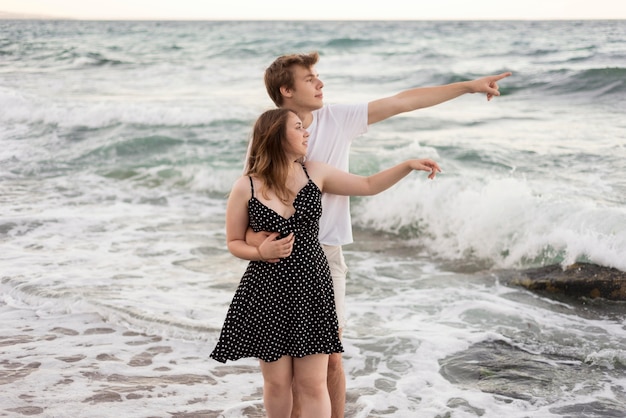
x: 79, y: 365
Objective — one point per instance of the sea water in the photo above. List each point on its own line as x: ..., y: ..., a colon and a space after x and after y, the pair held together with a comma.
x: 120, y: 141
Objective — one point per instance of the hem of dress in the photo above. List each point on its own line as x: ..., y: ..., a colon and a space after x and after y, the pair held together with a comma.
x: 272, y: 359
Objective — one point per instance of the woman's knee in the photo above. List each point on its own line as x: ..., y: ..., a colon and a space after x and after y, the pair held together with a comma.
x: 310, y: 387
x: 275, y: 387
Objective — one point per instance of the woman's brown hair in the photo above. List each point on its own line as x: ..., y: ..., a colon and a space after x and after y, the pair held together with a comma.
x: 266, y: 158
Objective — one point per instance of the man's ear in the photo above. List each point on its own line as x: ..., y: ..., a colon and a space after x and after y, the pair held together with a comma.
x: 286, y: 92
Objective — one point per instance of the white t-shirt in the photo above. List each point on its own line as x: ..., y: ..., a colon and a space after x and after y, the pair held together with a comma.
x: 331, y: 134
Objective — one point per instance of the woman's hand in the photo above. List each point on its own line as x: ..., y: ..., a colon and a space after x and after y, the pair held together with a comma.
x: 426, y: 164
x: 273, y: 249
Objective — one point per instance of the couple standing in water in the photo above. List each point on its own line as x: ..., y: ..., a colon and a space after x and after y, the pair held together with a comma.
x: 289, y: 308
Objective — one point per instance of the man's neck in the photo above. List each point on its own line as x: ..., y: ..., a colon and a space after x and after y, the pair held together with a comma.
x: 306, y: 118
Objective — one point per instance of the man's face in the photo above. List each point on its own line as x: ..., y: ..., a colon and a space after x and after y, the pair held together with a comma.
x: 307, y: 92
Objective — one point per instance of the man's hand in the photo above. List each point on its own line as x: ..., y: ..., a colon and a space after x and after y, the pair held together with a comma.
x: 256, y: 238
x: 488, y: 84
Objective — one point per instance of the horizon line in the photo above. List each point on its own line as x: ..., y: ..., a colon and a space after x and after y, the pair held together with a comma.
x: 195, y: 19
x: 29, y: 16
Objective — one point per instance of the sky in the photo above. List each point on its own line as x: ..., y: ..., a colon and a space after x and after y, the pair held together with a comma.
x: 317, y: 10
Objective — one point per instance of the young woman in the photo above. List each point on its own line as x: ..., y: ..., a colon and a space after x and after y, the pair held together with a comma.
x: 283, y: 311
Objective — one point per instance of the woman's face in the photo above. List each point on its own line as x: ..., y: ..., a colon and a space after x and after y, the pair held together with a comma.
x: 297, y: 137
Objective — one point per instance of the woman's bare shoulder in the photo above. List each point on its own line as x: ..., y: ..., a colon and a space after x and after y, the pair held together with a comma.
x: 241, y: 187
x: 316, y: 166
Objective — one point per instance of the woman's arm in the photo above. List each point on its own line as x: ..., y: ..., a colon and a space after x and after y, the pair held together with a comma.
x: 237, y: 224
x: 335, y: 181
x: 237, y: 221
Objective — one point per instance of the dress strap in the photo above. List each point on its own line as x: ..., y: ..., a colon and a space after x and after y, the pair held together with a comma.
x: 305, y: 172
x: 251, y: 186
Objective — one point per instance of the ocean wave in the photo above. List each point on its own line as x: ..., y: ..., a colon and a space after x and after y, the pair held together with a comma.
x: 89, y: 59
x: 133, y: 147
x: 563, y: 81
x: 608, y: 80
x: 347, y: 43
x: 23, y: 107
x: 37, y: 58
x: 593, y: 82
x: 502, y: 223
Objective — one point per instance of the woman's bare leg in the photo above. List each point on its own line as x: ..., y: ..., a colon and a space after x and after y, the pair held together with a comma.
x: 309, y: 378
x: 277, y: 378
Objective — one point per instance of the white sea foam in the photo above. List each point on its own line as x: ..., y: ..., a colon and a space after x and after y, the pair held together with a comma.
x: 501, y: 219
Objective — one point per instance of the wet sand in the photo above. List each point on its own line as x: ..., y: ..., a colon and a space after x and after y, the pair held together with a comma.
x: 77, y: 365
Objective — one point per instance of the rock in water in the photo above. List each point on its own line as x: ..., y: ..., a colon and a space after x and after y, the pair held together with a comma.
x: 579, y: 279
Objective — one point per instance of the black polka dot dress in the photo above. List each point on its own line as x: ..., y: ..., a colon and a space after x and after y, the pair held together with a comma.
x: 284, y: 308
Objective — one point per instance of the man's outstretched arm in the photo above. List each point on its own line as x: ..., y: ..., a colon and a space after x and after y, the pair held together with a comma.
x: 422, y: 97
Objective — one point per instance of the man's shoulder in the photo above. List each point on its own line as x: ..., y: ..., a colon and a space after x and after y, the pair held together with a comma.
x: 340, y: 108
x: 341, y: 112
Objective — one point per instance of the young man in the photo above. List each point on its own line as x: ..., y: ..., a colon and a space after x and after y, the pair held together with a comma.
x: 292, y: 82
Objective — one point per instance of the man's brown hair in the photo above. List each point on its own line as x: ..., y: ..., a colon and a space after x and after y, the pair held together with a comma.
x: 280, y: 74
